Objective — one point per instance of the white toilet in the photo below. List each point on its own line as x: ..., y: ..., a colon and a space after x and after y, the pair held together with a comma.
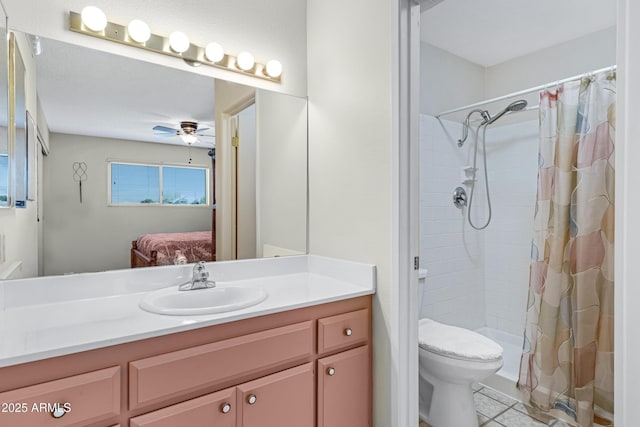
x: 451, y: 359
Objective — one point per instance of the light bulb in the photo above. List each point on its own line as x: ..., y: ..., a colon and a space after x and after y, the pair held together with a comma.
x: 93, y: 18
x: 245, y: 61
x: 214, y: 52
x: 139, y: 31
x: 189, y: 138
x: 179, y: 41
x: 274, y: 68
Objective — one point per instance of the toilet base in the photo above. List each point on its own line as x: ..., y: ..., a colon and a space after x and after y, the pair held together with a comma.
x: 446, y: 396
x: 445, y: 411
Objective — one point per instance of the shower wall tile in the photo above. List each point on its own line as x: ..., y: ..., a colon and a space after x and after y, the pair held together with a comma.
x: 449, y: 248
x: 477, y: 278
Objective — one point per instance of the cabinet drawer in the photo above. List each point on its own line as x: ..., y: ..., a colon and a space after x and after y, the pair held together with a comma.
x: 343, y: 330
x: 91, y: 397
x: 174, y: 374
x: 282, y: 399
x: 216, y: 409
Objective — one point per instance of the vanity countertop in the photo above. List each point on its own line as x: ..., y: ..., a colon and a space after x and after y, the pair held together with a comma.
x: 53, y: 316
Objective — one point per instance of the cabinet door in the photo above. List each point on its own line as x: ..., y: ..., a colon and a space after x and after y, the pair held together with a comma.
x: 344, y: 389
x: 278, y: 400
x: 212, y: 410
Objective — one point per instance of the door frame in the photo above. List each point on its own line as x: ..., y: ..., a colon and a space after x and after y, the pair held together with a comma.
x: 405, y: 212
x: 225, y: 181
x: 404, y: 401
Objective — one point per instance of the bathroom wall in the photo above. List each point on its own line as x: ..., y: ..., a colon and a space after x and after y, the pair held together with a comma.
x: 93, y: 236
x: 440, y: 71
x: 351, y: 81
x: 451, y: 251
x: 588, y: 53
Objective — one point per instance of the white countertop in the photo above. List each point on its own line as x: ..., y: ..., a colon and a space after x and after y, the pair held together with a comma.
x: 53, y: 316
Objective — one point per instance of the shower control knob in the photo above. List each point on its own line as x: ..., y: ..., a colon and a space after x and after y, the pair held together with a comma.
x: 459, y: 197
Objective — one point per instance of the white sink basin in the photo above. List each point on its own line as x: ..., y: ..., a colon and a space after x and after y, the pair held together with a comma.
x: 220, y: 299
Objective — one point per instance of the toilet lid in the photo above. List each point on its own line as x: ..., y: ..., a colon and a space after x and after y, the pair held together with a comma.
x: 456, y: 342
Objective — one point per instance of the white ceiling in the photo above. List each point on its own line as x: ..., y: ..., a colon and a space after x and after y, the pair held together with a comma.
x: 489, y: 32
x: 88, y: 92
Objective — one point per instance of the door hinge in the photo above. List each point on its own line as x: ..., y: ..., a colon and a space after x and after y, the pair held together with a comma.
x: 416, y: 263
x: 235, y: 141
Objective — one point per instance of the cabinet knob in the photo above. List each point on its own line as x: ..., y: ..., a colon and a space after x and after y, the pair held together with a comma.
x: 331, y: 372
x: 348, y: 332
x: 252, y: 399
x: 225, y: 408
x: 58, y: 412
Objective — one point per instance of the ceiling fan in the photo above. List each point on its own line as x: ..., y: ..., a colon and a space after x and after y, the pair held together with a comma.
x: 188, y: 132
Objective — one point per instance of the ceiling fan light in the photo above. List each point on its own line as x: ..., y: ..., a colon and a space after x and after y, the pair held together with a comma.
x: 245, y: 61
x: 273, y: 68
x: 189, y: 138
x: 93, y: 18
x: 179, y: 42
x: 214, y: 52
x: 139, y: 31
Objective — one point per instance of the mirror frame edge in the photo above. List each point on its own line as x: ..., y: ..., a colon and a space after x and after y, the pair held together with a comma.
x: 9, y: 39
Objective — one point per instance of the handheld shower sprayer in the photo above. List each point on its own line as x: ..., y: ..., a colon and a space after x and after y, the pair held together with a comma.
x: 487, y: 119
x: 514, y: 106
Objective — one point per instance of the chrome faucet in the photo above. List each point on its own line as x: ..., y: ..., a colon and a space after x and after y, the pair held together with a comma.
x: 200, y: 279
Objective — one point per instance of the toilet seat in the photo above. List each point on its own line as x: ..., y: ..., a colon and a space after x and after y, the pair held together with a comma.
x: 458, y: 343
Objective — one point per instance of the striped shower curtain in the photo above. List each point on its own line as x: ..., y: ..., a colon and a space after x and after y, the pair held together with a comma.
x: 567, y: 362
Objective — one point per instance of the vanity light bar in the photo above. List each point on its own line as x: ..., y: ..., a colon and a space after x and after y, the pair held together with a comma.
x: 194, y: 55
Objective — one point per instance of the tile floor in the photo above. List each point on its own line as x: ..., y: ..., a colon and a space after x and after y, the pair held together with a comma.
x: 498, y: 410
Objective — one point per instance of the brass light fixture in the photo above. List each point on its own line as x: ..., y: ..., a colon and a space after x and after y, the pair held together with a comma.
x: 93, y: 22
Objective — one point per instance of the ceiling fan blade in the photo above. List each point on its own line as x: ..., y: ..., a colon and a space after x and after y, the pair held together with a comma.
x: 202, y: 130
x: 164, y: 129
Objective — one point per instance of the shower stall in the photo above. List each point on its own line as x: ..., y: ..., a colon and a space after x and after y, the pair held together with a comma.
x: 478, y: 275
x: 478, y: 279
x: 545, y: 267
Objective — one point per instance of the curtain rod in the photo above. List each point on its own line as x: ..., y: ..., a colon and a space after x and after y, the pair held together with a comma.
x: 526, y: 91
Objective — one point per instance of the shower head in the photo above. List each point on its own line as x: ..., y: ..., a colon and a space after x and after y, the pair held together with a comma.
x: 514, y: 106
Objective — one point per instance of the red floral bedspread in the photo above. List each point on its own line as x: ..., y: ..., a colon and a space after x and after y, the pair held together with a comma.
x: 195, y: 245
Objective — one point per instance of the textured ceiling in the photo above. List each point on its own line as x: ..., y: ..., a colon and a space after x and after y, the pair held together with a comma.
x: 489, y: 32
x: 88, y: 92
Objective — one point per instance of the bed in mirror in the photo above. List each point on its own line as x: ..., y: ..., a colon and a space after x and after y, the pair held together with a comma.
x: 144, y: 165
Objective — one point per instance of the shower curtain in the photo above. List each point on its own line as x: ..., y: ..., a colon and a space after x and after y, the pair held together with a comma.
x: 567, y: 361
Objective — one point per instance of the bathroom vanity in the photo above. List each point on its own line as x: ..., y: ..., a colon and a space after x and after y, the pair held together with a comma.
x: 301, y: 357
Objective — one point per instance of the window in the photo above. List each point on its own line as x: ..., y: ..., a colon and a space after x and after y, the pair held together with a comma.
x: 133, y: 184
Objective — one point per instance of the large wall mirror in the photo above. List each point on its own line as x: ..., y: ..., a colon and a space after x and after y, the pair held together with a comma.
x: 139, y: 161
